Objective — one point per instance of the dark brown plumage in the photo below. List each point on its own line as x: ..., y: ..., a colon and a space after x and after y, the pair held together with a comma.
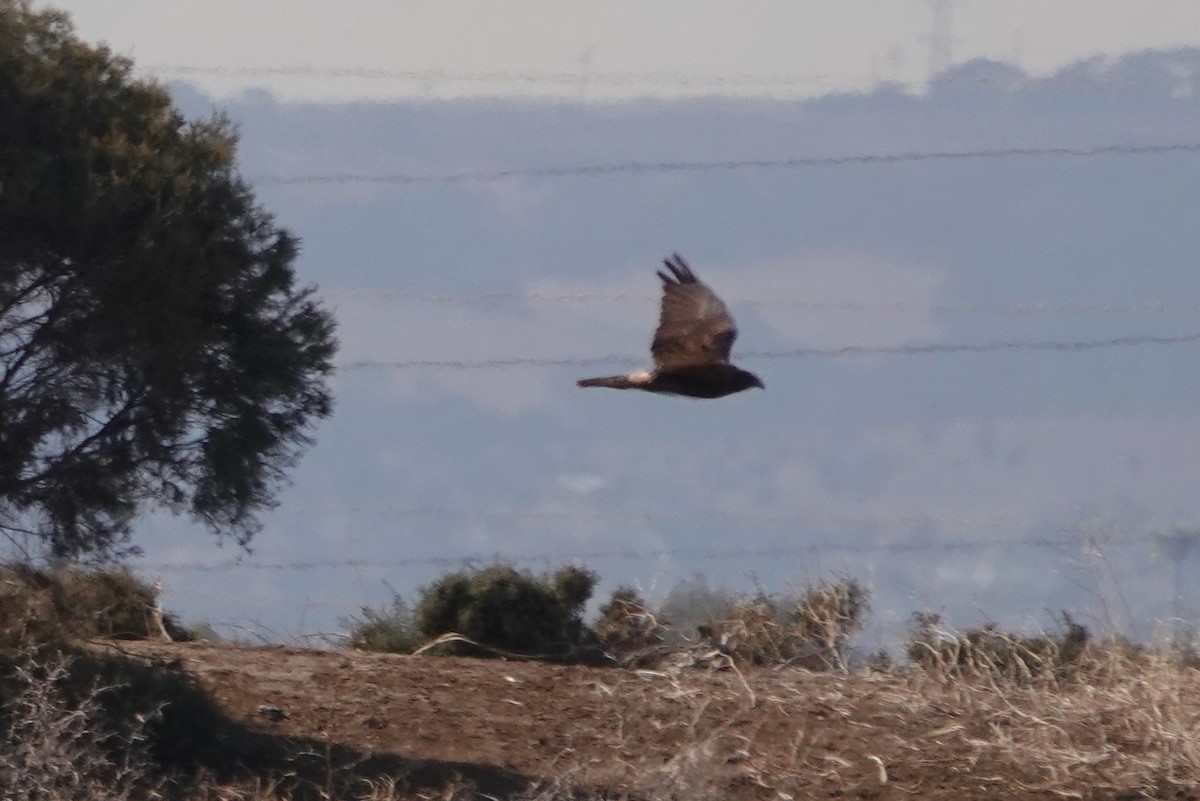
x: 691, y: 345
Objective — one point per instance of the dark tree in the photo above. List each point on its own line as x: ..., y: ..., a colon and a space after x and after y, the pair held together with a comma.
x: 155, y: 349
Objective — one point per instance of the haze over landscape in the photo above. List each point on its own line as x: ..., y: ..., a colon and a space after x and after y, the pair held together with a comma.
x: 973, y: 303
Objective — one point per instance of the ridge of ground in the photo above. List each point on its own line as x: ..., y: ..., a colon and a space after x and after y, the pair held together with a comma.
x: 509, y: 729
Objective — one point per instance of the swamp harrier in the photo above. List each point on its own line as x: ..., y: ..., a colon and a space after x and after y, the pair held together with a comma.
x: 691, y: 346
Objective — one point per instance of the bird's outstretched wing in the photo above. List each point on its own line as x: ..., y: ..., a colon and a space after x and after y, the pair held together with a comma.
x: 694, y: 326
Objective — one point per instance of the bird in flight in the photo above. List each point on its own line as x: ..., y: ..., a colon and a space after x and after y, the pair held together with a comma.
x: 691, y: 346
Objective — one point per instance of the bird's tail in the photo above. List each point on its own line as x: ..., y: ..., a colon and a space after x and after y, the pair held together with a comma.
x: 612, y: 381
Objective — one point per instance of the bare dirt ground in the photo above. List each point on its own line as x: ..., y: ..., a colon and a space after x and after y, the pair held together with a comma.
x: 450, y: 728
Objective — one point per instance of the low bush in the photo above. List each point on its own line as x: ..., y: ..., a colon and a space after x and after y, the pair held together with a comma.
x: 811, y: 629
x: 502, y: 609
x: 988, y: 651
x: 629, y: 632
x: 54, y: 747
x: 42, y: 605
x: 391, y: 629
x: 75, y: 724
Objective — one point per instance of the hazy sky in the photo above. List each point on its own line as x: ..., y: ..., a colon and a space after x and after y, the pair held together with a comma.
x: 666, y: 47
x: 971, y: 481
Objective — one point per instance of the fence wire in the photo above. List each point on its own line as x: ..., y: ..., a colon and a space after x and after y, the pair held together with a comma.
x: 728, y: 165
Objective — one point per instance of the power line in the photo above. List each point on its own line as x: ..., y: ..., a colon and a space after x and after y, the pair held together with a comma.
x: 617, y: 168
x: 744, y: 517
x: 613, y: 78
x: 584, y: 298
x: 845, y: 351
x: 945, y: 546
x: 981, y: 347
x: 625, y: 79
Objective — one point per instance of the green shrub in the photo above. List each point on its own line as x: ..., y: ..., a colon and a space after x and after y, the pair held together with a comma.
x: 505, y: 609
x: 391, y: 629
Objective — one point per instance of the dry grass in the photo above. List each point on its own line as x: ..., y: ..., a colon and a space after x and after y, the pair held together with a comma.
x: 629, y: 631
x: 1125, y: 727
x: 1122, y: 725
x: 60, y: 747
x: 812, y: 629
x: 56, y: 751
x: 1131, y: 731
x: 988, y: 651
x: 42, y: 605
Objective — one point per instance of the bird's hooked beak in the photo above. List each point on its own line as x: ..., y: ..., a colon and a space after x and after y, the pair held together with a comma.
x: 758, y: 383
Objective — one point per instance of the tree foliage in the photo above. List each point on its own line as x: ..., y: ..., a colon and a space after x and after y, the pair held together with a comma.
x: 154, y: 347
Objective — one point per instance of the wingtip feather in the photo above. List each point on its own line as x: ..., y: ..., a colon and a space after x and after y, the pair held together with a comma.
x: 679, y: 268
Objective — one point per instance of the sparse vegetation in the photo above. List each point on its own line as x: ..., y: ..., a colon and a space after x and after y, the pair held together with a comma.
x: 692, y: 603
x: 988, y: 651
x: 1054, y: 714
x: 811, y: 629
x: 391, y: 629
x: 499, y: 610
x: 57, y: 748
x: 83, y: 723
x: 629, y: 631
x: 681, y: 733
x: 43, y: 605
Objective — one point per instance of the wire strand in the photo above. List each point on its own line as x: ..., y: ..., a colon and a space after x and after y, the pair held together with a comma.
x: 844, y: 351
x: 617, y: 168
x: 628, y: 554
x: 614, y: 78
x: 661, y: 79
x: 755, y: 518
x: 863, y: 306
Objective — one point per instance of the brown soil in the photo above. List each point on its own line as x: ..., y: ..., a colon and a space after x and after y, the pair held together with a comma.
x: 462, y: 728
